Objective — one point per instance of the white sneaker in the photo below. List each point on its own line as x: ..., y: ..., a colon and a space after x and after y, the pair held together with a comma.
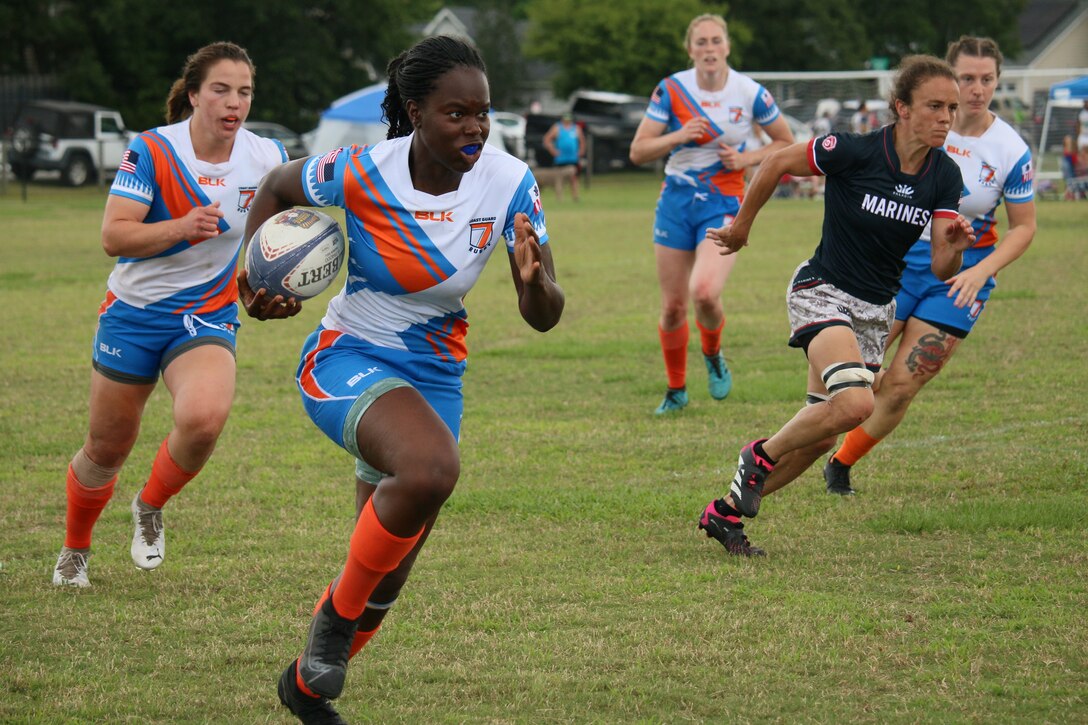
x: 71, y: 569
x: 149, y: 539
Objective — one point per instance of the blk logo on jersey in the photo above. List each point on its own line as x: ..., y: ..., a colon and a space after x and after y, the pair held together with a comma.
x: 904, y: 190
x: 245, y: 197
x: 434, y: 216
x: 987, y: 175
x: 208, y: 181
x: 481, y: 234
x: 829, y: 143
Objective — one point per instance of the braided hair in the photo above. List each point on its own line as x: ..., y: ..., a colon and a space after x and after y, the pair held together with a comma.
x: 414, y: 73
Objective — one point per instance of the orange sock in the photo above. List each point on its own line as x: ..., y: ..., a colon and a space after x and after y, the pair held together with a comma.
x: 166, y: 480
x: 361, y: 638
x: 84, y: 507
x: 711, y: 339
x: 854, y: 447
x: 674, y: 345
x: 302, y: 685
x: 374, y: 552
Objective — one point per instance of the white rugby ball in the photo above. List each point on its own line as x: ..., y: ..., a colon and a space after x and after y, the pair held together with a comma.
x: 296, y: 253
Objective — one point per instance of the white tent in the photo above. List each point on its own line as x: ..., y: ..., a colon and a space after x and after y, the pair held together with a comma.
x: 354, y: 119
x: 1067, y: 94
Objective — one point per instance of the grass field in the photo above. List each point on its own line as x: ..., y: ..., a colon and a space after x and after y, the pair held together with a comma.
x: 566, y: 581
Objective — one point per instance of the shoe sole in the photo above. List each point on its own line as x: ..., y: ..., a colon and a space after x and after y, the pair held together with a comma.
x: 752, y: 550
x: 280, y: 690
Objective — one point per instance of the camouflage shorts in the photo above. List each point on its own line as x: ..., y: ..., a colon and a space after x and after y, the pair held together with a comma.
x: 814, y: 304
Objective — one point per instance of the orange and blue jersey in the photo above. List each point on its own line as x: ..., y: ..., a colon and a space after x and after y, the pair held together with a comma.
x: 995, y: 165
x: 160, y: 169
x: 731, y: 111
x: 412, y: 256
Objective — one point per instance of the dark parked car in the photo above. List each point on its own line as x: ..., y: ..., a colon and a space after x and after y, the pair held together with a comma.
x: 296, y: 147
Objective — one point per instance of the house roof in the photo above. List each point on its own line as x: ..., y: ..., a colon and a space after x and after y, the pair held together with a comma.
x: 1042, y: 21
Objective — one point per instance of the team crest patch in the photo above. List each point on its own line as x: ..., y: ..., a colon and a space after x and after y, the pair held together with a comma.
x: 829, y: 143
x: 481, y: 233
x: 736, y: 114
x: 987, y: 175
x: 245, y: 197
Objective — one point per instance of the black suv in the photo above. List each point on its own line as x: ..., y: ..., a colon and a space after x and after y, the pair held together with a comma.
x: 78, y: 139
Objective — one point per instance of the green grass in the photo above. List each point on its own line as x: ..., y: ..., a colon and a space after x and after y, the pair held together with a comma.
x: 566, y: 581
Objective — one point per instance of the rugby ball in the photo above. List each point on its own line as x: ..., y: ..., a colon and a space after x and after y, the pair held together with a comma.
x: 296, y: 253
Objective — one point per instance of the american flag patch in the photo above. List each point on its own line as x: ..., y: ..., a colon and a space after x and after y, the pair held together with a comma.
x: 326, y: 165
x: 129, y: 161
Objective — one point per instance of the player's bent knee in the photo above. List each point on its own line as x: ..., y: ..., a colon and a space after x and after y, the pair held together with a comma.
x: 200, y: 432
x: 431, y: 475
x: 897, y: 392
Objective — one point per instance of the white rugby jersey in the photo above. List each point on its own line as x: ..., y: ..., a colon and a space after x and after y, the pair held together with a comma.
x: 161, y: 169
x: 995, y: 164
x: 732, y: 111
x: 412, y: 257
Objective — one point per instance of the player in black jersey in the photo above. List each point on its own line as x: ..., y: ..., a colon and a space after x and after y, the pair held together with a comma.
x: 882, y: 189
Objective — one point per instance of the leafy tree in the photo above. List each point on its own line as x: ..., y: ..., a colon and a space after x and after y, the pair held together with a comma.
x: 927, y: 26
x: 127, y: 53
x: 802, y: 35
x: 497, y: 39
x: 629, y: 46
x: 625, y: 47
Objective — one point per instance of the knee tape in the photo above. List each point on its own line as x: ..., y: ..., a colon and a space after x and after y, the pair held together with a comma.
x: 367, y: 473
x: 840, y: 376
x: 89, y: 473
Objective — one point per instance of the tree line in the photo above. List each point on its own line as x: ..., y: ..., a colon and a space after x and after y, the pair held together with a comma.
x: 126, y: 53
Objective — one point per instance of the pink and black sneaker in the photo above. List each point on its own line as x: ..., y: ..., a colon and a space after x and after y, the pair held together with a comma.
x: 747, y: 486
x: 728, y: 530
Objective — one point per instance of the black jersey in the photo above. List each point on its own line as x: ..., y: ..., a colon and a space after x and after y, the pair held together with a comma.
x: 873, y: 212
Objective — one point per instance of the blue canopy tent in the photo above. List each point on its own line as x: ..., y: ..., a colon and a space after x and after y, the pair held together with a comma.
x: 1067, y: 94
x: 353, y: 119
x: 357, y: 119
